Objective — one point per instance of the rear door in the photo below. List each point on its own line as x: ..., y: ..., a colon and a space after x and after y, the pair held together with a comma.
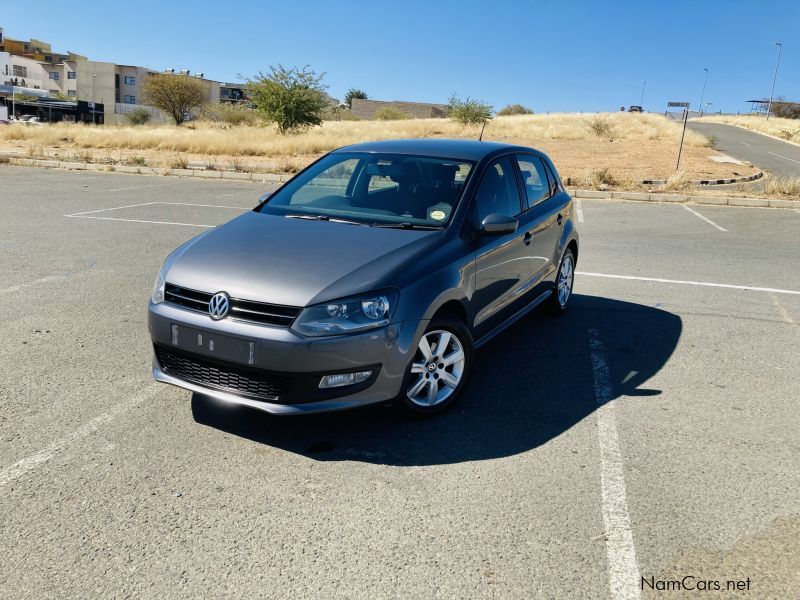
x: 541, y: 221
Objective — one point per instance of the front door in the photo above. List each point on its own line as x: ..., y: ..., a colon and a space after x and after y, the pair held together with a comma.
x: 502, y: 264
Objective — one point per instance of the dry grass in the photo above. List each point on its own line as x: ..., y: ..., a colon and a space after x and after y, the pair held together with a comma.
x: 209, y: 139
x: 782, y: 186
x: 607, y: 149
x: 785, y: 129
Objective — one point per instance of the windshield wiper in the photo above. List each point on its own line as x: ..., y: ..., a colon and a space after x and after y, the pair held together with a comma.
x: 325, y: 218
x: 405, y: 226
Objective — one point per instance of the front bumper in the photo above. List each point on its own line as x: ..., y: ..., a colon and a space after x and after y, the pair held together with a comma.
x: 281, y: 352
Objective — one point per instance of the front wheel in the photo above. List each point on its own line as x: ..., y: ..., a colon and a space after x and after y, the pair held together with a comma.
x: 565, y: 279
x: 438, y: 372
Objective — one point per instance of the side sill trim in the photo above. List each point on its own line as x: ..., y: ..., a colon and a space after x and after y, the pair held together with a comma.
x: 514, y: 318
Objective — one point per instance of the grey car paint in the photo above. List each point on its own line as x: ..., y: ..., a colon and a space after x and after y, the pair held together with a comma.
x: 489, y: 281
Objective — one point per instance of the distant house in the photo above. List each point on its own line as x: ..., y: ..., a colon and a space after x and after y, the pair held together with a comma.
x: 366, y: 109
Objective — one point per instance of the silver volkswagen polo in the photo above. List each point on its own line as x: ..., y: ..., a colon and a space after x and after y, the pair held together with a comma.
x: 372, y: 276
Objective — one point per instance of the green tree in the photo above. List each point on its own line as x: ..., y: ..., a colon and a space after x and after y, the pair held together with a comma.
x: 293, y: 98
x: 354, y: 93
x: 176, y: 95
x: 514, y: 109
x: 469, y: 111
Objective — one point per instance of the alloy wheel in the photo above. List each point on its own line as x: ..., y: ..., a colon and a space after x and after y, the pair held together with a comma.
x: 437, y: 369
x: 565, y: 277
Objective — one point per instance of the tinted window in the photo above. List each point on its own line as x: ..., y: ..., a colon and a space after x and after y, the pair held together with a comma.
x: 534, y: 176
x: 498, y: 192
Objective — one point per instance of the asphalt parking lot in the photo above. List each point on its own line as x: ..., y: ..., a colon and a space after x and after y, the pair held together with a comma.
x: 652, y: 431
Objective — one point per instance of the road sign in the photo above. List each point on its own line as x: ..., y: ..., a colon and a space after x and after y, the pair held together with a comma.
x: 678, y: 104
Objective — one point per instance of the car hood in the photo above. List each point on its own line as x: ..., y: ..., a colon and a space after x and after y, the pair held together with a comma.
x: 295, y: 262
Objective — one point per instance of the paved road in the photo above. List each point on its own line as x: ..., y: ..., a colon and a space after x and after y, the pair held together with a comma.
x: 651, y: 431
x: 776, y: 156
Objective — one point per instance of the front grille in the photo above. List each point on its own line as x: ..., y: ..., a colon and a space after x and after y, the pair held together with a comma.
x: 259, y: 385
x: 243, y: 310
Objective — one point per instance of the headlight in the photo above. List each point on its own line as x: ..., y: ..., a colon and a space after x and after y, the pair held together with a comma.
x: 349, y: 315
x: 157, y: 297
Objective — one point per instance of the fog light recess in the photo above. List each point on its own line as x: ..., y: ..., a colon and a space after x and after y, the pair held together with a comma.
x: 342, y: 379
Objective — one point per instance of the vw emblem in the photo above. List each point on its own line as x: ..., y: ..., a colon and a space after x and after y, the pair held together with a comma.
x: 219, y: 305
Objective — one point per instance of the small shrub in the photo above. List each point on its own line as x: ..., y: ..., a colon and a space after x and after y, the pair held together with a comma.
x: 238, y: 165
x: 601, y: 127
x: 514, y: 109
x: 212, y: 166
x: 136, y: 161
x: 710, y: 142
x: 678, y: 182
x: 469, y: 111
x: 34, y: 151
x: 389, y: 113
x: 179, y: 162
x: 83, y: 156
x: 602, y: 178
x: 4, y: 160
x: 138, y: 116
x: 788, y: 134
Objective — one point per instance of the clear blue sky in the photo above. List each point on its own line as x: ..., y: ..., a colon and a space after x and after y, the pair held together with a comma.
x: 551, y: 56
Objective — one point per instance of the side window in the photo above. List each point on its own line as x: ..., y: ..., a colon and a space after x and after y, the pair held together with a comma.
x: 534, y: 176
x: 497, y: 192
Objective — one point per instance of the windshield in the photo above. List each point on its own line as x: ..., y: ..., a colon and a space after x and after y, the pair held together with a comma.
x: 375, y: 189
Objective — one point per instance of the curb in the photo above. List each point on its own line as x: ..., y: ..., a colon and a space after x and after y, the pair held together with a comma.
x: 165, y: 171
x: 758, y: 175
x: 685, y: 198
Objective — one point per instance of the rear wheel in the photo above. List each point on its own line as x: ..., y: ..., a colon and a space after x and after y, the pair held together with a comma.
x: 565, y: 279
x: 439, y: 369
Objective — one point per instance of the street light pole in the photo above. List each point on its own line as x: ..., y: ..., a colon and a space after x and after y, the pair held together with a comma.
x: 774, y: 79
x: 641, y: 100
x: 94, y: 116
x: 703, y: 94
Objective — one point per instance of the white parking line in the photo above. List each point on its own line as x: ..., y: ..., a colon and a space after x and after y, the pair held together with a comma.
x: 745, y: 143
x: 133, y: 187
x: 579, y: 210
x: 89, y: 212
x: 22, y: 286
x: 143, y: 221
x: 205, y: 205
x: 751, y: 288
x: 707, y: 220
x: 784, y: 157
x: 623, y: 568
x: 21, y: 467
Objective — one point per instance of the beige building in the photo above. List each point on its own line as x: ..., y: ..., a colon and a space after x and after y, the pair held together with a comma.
x: 33, y: 64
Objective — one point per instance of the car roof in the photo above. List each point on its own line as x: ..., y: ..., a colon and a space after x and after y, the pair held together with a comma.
x: 438, y: 147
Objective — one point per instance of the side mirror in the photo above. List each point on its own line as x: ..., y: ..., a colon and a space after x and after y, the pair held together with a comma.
x: 497, y: 224
x: 264, y: 197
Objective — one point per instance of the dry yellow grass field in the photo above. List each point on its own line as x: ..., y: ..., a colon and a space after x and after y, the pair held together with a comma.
x: 785, y: 129
x: 615, y: 149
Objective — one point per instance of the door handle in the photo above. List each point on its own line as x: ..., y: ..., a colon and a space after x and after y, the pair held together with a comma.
x: 559, y: 219
x: 528, y: 238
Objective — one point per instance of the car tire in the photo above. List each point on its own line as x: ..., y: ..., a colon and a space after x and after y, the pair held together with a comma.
x: 443, y: 370
x: 564, y: 284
